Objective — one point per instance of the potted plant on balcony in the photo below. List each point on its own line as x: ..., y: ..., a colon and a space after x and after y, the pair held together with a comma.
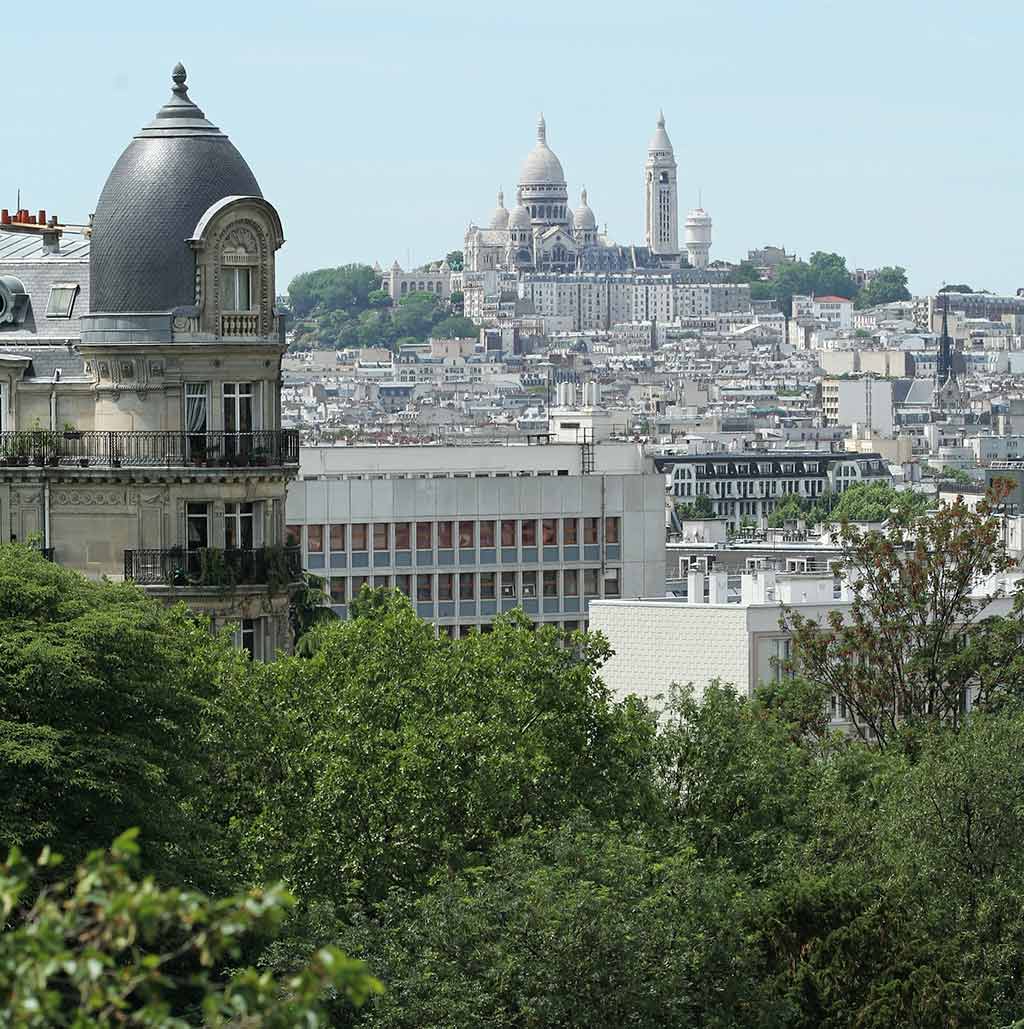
x: 70, y: 432
x: 212, y: 458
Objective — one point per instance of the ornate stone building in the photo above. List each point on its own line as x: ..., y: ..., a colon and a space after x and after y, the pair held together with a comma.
x: 140, y: 437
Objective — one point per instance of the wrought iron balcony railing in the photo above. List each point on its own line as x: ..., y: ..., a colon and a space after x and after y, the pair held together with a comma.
x: 265, y: 448
x: 211, y: 567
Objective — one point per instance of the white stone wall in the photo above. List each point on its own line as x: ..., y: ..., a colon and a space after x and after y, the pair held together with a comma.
x: 658, y: 643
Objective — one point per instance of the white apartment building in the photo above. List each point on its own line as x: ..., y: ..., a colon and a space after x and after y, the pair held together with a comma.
x: 866, y: 402
x: 752, y: 484
x: 726, y: 628
x: 468, y: 532
x: 831, y: 312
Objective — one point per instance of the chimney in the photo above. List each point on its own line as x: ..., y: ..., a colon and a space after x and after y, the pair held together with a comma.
x: 51, y: 241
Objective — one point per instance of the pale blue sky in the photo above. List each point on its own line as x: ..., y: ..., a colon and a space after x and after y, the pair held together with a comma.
x: 889, y: 132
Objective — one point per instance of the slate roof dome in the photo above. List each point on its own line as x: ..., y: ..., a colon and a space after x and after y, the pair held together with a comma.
x: 168, y: 177
x: 541, y: 167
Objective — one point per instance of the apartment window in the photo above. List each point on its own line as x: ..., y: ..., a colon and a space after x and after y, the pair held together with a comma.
x: 444, y: 586
x: 338, y: 590
x: 444, y: 535
x: 315, y: 539
x: 611, y: 582
x: 238, y: 407
x: 403, y: 583
x: 591, y: 584
x: 611, y: 530
x: 590, y: 530
x: 549, y: 532
x: 292, y: 535
x: 529, y: 533
x: 424, y: 588
x: 486, y: 534
x: 487, y: 585
x: 239, y: 525
x: 247, y: 636
x: 571, y: 582
x: 780, y: 651
x: 569, y: 537
x: 358, y: 582
x: 466, y: 535
x: 508, y: 533
x: 61, y: 299
x: 197, y: 525
x: 508, y: 585
x: 359, y: 536
x: 529, y: 584
x: 403, y: 535
x: 381, y: 582
x: 550, y: 583
x: 337, y: 538
x: 236, y: 292
x: 424, y: 535
x: 467, y: 586
x: 381, y: 536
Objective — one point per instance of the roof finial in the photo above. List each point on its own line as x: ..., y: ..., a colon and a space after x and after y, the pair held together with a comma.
x: 542, y: 129
x: 583, y: 196
x: 501, y: 198
x: 661, y: 118
x: 178, y: 75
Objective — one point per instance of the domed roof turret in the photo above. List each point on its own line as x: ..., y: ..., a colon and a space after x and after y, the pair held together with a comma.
x: 660, y: 140
x: 171, y: 173
x: 520, y: 217
x: 583, y: 216
x: 499, y: 220
x: 541, y: 167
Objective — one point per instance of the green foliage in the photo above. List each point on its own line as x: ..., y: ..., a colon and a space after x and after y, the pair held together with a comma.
x: 103, y: 699
x: 957, y: 475
x: 888, y: 285
x: 916, y: 641
x: 455, y: 260
x: 390, y: 753
x: 346, y: 288
x: 455, y: 327
x: 958, y: 287
x: 745, y: 271
x: 699, y: 509
x: 878, y: 502
x: 105, y: 949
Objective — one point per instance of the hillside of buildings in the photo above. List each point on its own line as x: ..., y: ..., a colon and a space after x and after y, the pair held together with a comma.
x: 476, y: 831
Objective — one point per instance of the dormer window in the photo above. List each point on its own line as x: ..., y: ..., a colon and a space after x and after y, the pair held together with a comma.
x: 61, y: 299
x: 236, y: 289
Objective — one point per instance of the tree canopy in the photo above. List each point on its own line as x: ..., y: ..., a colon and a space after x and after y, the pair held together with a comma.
x: 888, y: 285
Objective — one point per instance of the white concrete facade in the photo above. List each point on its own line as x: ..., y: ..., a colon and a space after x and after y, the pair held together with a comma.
x: 471, y: 531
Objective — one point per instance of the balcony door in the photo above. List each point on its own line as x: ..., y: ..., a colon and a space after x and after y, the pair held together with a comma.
x: 239, y: 418
x: 197, y: 534
x: 240, y: 526
x: 197, y: 419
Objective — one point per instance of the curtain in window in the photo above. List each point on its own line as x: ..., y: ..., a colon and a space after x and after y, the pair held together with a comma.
x: 195, y: 408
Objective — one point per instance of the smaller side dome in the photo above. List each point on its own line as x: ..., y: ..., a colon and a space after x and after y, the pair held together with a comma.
x: 499, y: 220
x: 583, y: 216
x: 520, y: 217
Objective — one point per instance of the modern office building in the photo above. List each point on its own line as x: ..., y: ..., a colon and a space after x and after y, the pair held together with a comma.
x: 140, y: 379
x: 468, y: 532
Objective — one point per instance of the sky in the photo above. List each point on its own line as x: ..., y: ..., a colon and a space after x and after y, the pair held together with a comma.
x: 887, y: 132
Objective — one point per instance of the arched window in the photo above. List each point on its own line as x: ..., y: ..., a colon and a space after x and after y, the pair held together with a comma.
x: 405, y: 287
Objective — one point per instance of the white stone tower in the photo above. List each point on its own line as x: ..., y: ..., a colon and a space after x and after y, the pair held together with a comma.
x: 698, y: 237
x: 661, y: 205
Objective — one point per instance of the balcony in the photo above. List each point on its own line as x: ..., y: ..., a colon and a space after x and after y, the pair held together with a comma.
x: 213, y: 568
x: 267, y: 448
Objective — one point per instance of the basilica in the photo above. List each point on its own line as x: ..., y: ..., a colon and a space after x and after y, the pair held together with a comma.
x: 542, y: 233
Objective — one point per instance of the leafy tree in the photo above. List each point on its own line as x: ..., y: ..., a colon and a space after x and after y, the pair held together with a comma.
x: 789, y: 510
x: 391, y: 753
x: 106, y: 949
x: 888, y: 285
x: 878, y: 502
x: 307, y: 609
x: 831, y: 276
x: 345, y: 288
x: 701, y: 508
x: 745, y: 271
x: 957, y: 475
x: 454, y: 327
x: 958, y: 287
x: 578, y: 926
x: 416, y: 315
x: 916, y: 641
x: 455, y: 260
x: 103, y: 707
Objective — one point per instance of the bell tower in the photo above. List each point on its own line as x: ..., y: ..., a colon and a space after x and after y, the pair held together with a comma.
x: 661, y: 204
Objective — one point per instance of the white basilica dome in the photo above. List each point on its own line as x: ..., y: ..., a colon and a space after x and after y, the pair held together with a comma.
x: 542, y: 167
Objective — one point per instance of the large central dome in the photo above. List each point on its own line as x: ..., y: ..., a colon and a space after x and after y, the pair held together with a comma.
x: 167, y: 178
x: 542, y: 167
